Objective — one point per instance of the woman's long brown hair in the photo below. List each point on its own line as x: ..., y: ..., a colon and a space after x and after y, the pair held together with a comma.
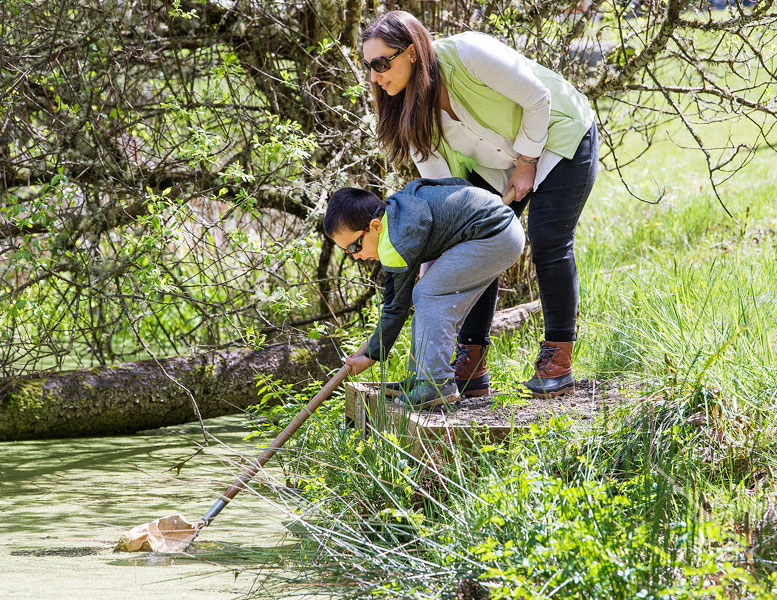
x: 411, y: 119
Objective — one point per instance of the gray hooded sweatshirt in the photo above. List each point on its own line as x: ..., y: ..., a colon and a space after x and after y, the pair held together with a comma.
x: 426, y: 218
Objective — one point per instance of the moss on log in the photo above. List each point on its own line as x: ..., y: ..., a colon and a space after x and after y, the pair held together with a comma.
x: 134, y: 396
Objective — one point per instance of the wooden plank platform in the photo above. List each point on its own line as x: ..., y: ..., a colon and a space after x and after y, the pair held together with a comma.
x: 419, y: 431
x: 469, y: 419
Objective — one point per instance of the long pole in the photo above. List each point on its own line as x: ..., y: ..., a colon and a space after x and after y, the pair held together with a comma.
x: 249, y: 473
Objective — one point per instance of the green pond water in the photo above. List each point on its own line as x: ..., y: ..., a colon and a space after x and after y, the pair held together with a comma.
x: 65, y: 503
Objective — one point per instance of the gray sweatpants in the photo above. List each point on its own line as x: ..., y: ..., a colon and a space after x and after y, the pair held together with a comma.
x: 448, y: 290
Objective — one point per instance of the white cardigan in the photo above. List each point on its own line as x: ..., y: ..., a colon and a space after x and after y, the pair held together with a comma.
x: 500, y: 68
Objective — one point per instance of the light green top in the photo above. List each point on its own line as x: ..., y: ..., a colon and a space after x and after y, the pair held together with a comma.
x: 388, y: 255
x: 570, y: 114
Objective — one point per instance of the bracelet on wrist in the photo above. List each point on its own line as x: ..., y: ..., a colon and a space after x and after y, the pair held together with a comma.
x: 528, y: 161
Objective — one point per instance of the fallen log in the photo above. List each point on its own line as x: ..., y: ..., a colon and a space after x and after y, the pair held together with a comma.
x: 146, y: 394
x: 134, y: 396
x: 513, y: 318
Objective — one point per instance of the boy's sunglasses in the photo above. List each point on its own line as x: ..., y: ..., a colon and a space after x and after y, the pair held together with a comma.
x: 381, y: 64
x: 356, y: 246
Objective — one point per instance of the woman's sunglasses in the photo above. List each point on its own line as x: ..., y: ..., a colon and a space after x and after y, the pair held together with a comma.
x: 381, y: 64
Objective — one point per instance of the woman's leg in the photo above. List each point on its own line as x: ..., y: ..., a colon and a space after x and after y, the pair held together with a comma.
x: 554, y: 211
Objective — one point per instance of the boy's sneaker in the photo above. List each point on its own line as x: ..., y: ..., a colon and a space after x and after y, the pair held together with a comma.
x: 427, y: 393
x: 398, y: 388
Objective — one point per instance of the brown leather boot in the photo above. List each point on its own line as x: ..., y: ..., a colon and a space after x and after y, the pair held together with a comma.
x: 553, y: 370
x: 471, y: 369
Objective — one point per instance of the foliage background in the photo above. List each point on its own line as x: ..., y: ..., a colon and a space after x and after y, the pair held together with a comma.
x: 165, y: 165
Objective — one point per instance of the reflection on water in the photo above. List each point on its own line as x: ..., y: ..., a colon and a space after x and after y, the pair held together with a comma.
x: 77, y: 551
x: 65, y: 503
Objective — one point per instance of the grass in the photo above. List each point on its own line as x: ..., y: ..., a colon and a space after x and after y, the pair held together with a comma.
x: 672, y: 496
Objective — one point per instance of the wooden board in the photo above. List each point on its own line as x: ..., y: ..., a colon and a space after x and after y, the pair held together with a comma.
x: 421, y: 432
x: 472, y: 418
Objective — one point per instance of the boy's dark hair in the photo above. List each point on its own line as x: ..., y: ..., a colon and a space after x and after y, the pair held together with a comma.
x: 350, y: 208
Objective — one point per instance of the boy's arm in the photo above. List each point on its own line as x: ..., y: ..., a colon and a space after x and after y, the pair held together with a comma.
x: 398, y: 299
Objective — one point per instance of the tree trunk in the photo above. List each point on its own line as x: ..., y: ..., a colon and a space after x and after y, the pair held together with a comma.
x: 134, y: 396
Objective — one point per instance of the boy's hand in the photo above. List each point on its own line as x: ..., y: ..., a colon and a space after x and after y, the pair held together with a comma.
x: 359, y: 364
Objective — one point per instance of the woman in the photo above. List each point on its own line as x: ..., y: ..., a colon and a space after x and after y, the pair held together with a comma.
x: 470, y: 106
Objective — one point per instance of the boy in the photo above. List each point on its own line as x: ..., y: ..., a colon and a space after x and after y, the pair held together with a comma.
x: 470, y: 234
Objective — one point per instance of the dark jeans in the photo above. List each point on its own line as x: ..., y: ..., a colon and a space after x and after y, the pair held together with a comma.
x: 554, y: 210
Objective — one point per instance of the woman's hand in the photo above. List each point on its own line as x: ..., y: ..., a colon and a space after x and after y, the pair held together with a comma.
x: 522, y: 178
x: 359, y: 364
